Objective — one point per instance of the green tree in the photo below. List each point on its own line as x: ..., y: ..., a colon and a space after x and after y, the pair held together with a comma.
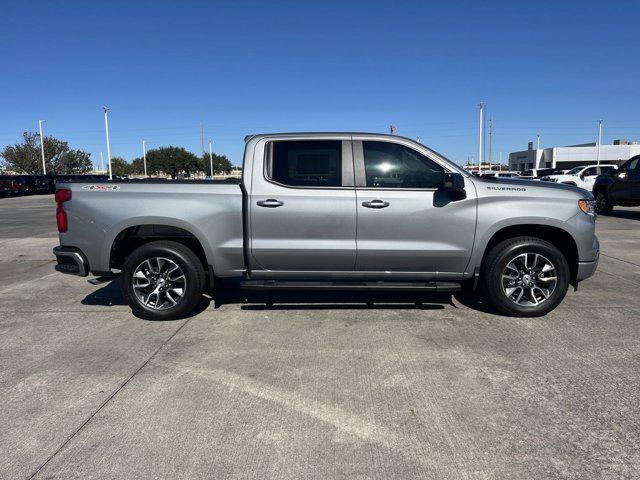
x: 221, y: 164
x: 120, y: 167
x: 25, y: 157
x: 137, y: 166
x: 172, y: 161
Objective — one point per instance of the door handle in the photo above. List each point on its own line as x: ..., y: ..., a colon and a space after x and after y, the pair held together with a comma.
x: 375, y: 204
x: 270, y: 203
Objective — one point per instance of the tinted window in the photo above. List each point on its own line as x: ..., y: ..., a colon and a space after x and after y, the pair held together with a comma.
x: 316, y: 163
x: 590, y: 171
x: 630, y: 165
x: 389, y: 165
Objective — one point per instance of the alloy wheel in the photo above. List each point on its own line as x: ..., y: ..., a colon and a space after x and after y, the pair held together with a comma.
x: 529, y: 279
x: 159, y: 283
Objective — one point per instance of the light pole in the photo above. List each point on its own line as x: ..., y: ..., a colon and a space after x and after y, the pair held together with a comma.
x: 210, y: 159
x: 144, y: 157
x: 44, y: 166
x: 101, y: 162
x: 106, y: 128
x: 480, y: 138
x: 599, y: 142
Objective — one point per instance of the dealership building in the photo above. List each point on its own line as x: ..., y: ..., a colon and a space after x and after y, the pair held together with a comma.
x: 573, y: 155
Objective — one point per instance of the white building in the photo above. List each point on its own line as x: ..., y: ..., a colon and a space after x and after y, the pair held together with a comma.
x: 573, y: 156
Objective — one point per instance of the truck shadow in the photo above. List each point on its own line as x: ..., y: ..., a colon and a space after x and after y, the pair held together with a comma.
x: 627, y: 214
x: 110, y: 295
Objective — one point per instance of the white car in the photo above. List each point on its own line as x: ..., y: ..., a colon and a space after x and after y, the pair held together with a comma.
x: 583, y: 176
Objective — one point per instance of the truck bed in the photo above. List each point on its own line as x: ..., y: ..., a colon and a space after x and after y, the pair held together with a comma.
x: 211, y: 210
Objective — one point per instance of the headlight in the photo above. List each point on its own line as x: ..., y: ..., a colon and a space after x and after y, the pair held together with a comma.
x: 587, y: 206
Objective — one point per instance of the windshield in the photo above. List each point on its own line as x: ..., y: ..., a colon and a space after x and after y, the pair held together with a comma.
x: 574, y: 171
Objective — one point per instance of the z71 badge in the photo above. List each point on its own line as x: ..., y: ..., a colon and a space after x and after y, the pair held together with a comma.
x: 100, y: 187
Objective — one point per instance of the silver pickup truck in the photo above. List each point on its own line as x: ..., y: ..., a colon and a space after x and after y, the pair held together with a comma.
x: 331, y: 211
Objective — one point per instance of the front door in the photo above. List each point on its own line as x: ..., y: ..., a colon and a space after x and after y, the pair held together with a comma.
x: 302, y: 207
x: 406, y: 222
x: 620, y: 191
x: 634, y: 183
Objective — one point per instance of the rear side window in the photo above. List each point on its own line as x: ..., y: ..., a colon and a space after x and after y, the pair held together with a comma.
x: 312, y: 163
x: 390, y: 165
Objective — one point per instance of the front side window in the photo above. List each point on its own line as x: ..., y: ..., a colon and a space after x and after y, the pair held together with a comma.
x: 589, y: 172
x: 306, y: 163
x: 389, y: 165
x: 629, y: 165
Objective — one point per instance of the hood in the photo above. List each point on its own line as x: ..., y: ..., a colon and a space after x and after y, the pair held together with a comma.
x: 532, y: 185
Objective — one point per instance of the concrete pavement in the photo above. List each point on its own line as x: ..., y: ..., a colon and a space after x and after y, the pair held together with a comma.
x: 318, y: 386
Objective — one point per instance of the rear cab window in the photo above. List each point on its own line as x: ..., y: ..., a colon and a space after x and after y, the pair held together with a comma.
x: 305, y: 163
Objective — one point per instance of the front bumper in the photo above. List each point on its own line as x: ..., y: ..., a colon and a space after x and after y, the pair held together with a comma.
x: 71, y: 261
x: 587, y: 269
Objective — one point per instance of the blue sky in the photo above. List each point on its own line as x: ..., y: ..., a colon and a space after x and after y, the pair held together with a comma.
x: 248, y: 67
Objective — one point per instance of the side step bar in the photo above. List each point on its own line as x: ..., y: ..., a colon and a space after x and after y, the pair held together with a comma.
x: 342, y: 285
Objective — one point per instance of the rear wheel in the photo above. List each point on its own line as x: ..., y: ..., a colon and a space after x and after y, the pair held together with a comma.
x: 162, y: 280
x: 525, y: 277
x: 603, y: 205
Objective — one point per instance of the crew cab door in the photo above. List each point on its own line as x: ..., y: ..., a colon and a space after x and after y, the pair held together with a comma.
x: 621, y: 189
x: 634, y: 183
x: 406, y: 222
x: 302, y: 206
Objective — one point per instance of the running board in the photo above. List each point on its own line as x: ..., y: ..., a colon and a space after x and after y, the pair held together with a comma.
x: 345, y: 285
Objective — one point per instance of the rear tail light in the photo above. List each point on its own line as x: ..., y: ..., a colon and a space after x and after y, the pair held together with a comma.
x: 62, y: 195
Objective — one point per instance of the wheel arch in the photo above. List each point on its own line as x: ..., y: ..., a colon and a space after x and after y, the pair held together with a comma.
x: 557, y: 236
x: 131, y: 236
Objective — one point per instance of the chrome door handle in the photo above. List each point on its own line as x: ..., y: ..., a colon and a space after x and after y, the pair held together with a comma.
x: 375, y: 204
x: 270, y: 203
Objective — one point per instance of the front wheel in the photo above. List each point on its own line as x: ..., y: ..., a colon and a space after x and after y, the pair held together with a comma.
x: 525, y: 277
x: 603, y: 205
x: 162, y: 280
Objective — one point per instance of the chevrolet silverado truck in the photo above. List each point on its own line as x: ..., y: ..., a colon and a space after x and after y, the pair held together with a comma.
x: 330, y: 211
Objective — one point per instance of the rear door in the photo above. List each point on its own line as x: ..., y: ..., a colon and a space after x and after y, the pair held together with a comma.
x: 406, y: 223
x: 302, y: 206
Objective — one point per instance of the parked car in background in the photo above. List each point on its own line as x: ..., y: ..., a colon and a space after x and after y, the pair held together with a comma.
x: 499, y: 174
x: 5, y: 186
x: 536, y: 173
x: 36, y: 184
x: 620, y: 188
x: 18, y: 185
x: 583, y: 176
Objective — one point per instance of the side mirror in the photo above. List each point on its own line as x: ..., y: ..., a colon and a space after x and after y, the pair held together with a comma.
x: 454, y: 184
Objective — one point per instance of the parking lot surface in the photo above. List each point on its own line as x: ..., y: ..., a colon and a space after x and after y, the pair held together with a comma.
x: 316, y: 386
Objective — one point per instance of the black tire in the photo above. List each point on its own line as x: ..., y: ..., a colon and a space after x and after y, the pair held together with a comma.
x: 603, y: 204
x: 185, y: 259
x: 502, y: 254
